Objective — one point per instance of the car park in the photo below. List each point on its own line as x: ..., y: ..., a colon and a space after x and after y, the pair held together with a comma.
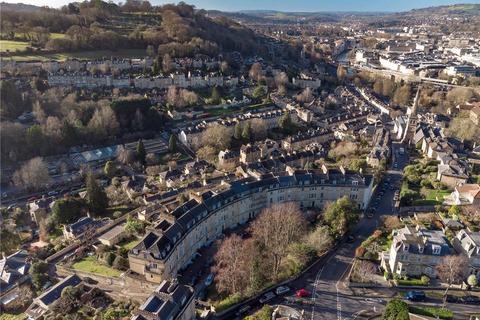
x: 415, y: 295
x: 281, y: 290
x: 267, y: 297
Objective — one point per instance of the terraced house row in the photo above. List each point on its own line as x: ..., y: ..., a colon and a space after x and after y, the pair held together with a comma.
x: 172, y: 243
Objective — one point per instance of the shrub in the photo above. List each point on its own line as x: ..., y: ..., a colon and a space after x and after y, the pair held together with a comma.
x: 396, y: 310
x: 387, y: 275
x: 110, y: 258
x: 425, y: 280
x: 228, y: 302
x: 439, y: 313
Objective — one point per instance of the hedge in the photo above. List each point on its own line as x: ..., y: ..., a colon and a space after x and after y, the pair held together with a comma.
x: 432, y: 312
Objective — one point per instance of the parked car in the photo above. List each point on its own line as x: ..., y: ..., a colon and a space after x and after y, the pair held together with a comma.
x: 373, y: 300
x: 471, y: 300
x: 267, y: 297
x: 242, y: 310
x: 453, y: 299
x: 350, y: 239
x: 370, y: 215
x: 281, y: 290
x: 302, y: 293
x: 193, y: 281
x: 209, y: 279
x: 415, y: 295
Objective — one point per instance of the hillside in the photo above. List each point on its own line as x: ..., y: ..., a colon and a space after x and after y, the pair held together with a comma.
x: 179, y: 30
x: 18, y: 7
x: 457, y: 9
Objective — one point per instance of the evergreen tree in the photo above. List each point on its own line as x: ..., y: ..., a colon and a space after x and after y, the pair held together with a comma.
x: 172, y: 143
x: 109, y: 169
x: 237, y: 134
x: 215, y: 95
x: 285, y: 122
x: 247, y: 132
x: 96, y: 197
x: 141, y: 153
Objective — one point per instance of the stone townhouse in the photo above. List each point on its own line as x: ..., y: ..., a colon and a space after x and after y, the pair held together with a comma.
x: 228, y: 158
x: 303, y: 139
x: 170, y: 300
x: 191, y: 136
x: 250, y: 153
x: 468, y: 244
x: 381, y: 147
x: 452, y: 174
x: 161, y: 254
x: 465, y: 194
x: 415, y: 251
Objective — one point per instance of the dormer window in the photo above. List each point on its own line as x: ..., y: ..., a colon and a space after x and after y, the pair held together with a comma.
x: 420, y: 249
x: 355, y: 182
x: 436, y: 249
x: 405, y: 247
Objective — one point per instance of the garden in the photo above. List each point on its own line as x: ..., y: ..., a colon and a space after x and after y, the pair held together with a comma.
x: 419, y: 187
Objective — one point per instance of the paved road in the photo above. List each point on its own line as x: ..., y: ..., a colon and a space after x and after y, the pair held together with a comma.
x: 330, y: 299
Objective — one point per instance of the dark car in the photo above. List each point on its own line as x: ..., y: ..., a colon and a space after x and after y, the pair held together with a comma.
x: 471, y: 300
x: 415, y: 295
x: 193, y: 281
x: 350, y: 239
x: 453, y: 299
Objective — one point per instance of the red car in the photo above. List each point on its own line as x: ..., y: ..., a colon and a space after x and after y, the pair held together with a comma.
x: 302, y: 293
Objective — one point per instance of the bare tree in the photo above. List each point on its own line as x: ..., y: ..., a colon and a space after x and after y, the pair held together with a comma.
x: 218, y: 137
x: 103, y: 123
x: 277, y: 227
x: 126, y: 156
x: 391, y: 223
x: 365, y: 270
x: 172, y: 96
x: 167, y: 63
x: 32, y: 175
x: 231, y: 266
x: 281, y: 80
x: 256, y: 72
x: 306, y: 95
x: 259, y: 128
x: 320, y: 239
x: 188, y: 97
x: 452, y: 269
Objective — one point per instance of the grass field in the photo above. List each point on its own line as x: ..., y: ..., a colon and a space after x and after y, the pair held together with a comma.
x: 9, y: 316
x: 90, y: 264
x: 13, y: 46
x: 57, y: 35
x: 125, y: 53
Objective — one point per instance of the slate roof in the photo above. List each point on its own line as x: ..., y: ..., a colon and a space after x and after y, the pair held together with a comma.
x: 192, y: 212
x: 55, y: 292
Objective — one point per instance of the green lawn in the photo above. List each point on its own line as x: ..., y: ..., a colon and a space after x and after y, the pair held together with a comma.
x: 13, y: 46
x: 9, y: 316
x: 130, y: 244
x: 57, y: 35
x: 93, y: 54
x: 431, y: 194
x: 90, y: 264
